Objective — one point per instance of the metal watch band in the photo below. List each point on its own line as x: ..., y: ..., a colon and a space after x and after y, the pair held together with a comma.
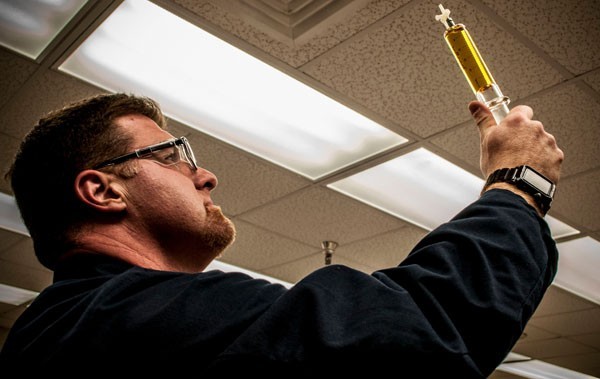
x: 500, y: 175
x: 514, y: 176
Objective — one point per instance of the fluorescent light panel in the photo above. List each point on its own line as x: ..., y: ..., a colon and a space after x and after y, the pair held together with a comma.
x: 536, y: 369
x: 210, y: 85
x: 10, y: 216
x: 226, y: 267
x: 15, y: 296
x: 578, y: 268
x: 28, y: 26
x: 418, y: 187
x: 422, y: 188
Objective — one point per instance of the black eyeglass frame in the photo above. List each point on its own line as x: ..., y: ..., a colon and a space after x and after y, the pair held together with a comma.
x: 148, y: 150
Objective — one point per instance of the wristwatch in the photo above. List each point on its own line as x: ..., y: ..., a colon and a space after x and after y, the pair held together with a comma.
x: 527, y: 179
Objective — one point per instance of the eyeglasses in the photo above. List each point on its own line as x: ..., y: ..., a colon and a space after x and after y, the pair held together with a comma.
x: 166, y: 153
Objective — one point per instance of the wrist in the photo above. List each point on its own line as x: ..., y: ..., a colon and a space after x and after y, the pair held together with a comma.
x: 533, y: 187
x: 514, y: 189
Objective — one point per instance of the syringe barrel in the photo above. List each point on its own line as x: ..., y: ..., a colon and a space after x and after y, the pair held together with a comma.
x: 468, y: 57
x: 475, y: 70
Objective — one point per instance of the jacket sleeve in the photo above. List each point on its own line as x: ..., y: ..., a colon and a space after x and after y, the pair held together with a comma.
x: 456, y: 304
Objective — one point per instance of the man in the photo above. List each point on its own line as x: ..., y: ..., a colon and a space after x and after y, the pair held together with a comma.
x: 121, y: 212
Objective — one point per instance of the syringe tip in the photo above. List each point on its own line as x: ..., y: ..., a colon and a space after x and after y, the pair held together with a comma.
x: 444, y: 18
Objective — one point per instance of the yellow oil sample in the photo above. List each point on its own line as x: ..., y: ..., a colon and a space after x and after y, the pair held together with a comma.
x: 468, y: 58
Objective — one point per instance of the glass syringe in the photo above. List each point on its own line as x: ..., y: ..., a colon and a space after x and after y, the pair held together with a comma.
x: 468, y: 58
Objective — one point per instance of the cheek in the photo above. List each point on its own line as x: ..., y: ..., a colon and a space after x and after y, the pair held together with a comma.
x: 167, y: 194
x: 181, y: 198
x: 148, y: 192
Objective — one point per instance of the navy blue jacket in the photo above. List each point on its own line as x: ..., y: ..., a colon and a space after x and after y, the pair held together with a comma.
x: 453, y: 308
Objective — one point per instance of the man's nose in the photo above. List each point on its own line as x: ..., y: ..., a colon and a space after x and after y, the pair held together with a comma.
x: 204, y: 179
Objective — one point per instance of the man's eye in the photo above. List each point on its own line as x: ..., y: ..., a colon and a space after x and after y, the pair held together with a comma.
x: 173, y: 157
x: 168, y: 158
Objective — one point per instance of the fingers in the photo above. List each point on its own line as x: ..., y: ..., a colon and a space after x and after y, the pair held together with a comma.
x: 485, y: 119
x: 482, y: 115
x: 517, y: 140
x: 523, y: 110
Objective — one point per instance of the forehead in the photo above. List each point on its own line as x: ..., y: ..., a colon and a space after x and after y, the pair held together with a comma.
x: 142, y: 129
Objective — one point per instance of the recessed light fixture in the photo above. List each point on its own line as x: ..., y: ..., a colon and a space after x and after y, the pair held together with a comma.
x: 578, y: 268
x: 221, y: 90
x: 527, y: 367
x: 226, y: 267
x: 10, y: 216
x: 422, y: 188
x: 28, y: 26
x: 15, y: 296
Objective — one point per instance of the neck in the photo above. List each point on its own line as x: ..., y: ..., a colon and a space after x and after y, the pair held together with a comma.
x: 139, y: 250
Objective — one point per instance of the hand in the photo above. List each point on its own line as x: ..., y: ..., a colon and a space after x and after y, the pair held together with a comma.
x: 516, y: 141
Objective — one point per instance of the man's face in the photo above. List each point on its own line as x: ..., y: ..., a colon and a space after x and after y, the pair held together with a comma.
x: 173, y: 203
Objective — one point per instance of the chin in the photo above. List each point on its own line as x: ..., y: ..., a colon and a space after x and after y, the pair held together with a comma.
x: 220, y: 230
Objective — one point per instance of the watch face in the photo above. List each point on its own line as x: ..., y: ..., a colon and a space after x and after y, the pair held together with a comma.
x: 536, y: 180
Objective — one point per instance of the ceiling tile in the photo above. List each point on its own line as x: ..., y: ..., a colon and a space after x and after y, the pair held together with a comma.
x: 315, y: 214
x: 296, y: 270
x: 568, y: 31
x: 569, y: 114
x: 532, y: 333
x: 550, y: 348
x: 292, y: 22
x: 577, y: 198
x: 572, y: 323
x: 18, y: 275
x: 10, y: 316
x: 403, y: 75
x: 462, y: 142
x: 257, y: 249
x: 593, y: 79
x: 384, y: 250
x: 4, y: 328
x: 591, y: 339
x: 245, y: 181
x: 557, y: 300
x: 22, y: 253
x: 15, y: 72
x: 5, y: 307
x: 45, y: 92
x: 584, y: 363
x: 503, y: 375
x: 9, y: 239
x: 300, y: 51
x: 8, y: 149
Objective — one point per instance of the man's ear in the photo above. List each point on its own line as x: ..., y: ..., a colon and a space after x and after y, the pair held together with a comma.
x: 99, y: 191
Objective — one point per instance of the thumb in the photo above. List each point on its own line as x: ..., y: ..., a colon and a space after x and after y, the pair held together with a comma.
x: 482, y: 115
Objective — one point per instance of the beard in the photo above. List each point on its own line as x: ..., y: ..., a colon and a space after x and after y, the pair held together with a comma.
x: 219, y: 231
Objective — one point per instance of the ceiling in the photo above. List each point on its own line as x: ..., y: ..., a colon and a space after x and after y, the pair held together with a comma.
x: 387, y: 60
